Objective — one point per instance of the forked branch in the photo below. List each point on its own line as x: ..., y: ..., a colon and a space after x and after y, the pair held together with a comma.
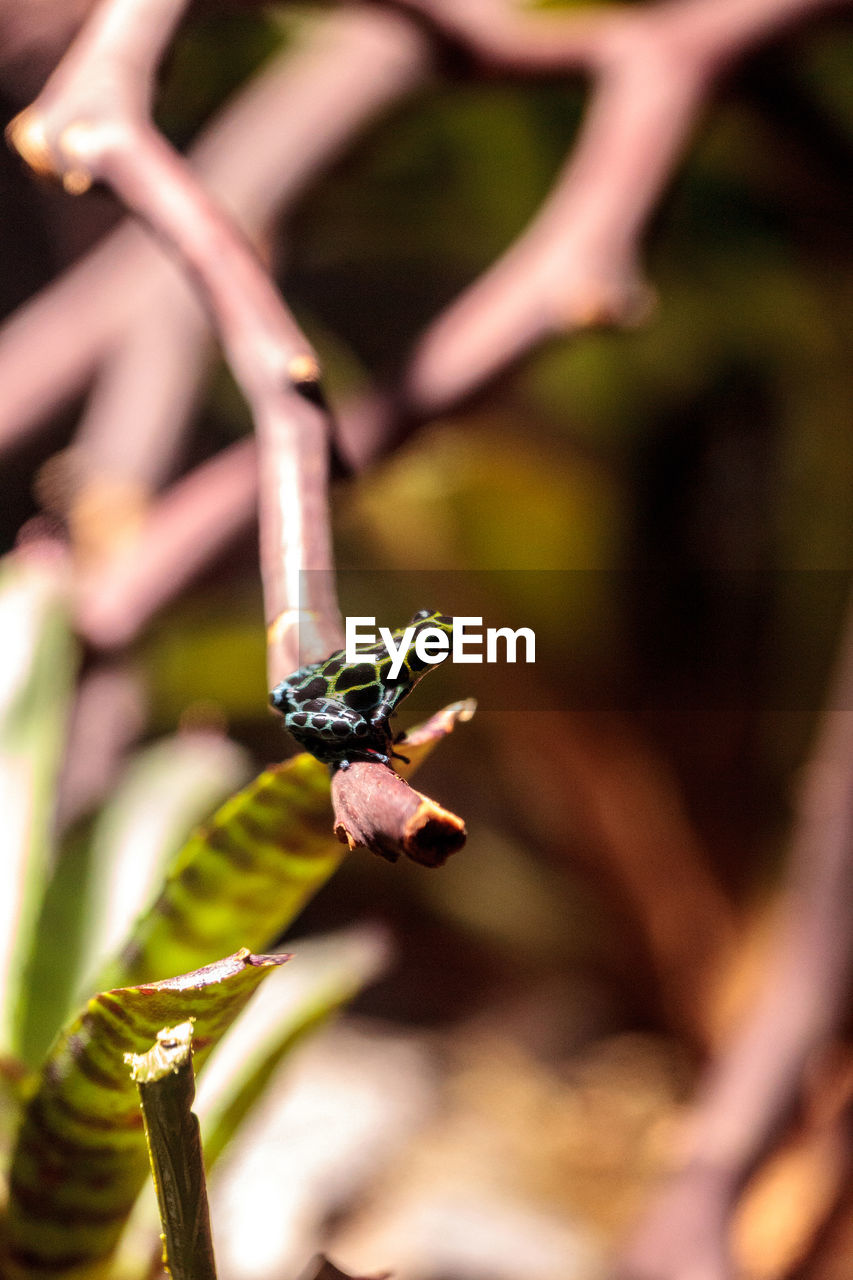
x: 91, y: 124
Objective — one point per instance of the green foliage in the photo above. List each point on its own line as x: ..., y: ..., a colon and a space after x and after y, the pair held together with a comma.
x: 72, y: 1127
x: 113, y: 864
x: 240, y: 879
x: 39, y: 659
x: 323, y: 976
x: 80, y: 1159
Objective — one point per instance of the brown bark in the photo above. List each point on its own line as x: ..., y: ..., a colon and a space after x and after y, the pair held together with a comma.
x: 376, y: 809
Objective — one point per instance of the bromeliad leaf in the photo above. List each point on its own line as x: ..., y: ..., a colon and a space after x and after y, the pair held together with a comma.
x: 324, y: 975
x: 35, y: 691
x: 240, y: 879
x: 80, y: 1158
x: 105, y: 874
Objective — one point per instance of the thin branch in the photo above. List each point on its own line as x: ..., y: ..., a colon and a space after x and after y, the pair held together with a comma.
x: 256, y: 157
x: 91, y: 124
x: 181, y: 534
x: 577, y: 263
x: 751, y: 1089
x: 377, y: 810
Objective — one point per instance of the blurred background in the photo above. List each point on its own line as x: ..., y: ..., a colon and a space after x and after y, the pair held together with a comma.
x: 672, y: 510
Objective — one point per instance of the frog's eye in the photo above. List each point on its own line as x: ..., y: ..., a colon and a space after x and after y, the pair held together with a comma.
x: 360, y: 729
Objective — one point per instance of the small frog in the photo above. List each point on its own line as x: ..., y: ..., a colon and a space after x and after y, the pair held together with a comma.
x: 340, y: 711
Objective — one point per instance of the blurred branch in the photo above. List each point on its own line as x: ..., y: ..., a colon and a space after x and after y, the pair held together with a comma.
x: 751, y: 1089
x: 146, y: 333
x: 787, y: 1215
x: 256, y: 157
x: 577, y: 263
x: 600, y: 771
x: 322, y: 1269
x: 91, y: 123
x: 108, y: 714
x: 181, y: 534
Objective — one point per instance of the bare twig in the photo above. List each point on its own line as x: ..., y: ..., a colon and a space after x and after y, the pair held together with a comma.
x: 751, y: 1088
x: 166, y: 1082
x: 90, y: 123
x: 255, y: 157
x: 578, y: 262
x: 145, y: 325
x: 376, y: 809
x: 181, y: 534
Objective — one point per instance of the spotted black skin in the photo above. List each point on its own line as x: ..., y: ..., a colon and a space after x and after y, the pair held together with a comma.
x: 340, y: 711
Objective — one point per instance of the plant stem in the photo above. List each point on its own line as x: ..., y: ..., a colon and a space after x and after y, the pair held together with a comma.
x: 166, y: 1084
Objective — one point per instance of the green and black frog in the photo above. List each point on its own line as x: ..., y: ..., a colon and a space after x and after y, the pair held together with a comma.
x: 340, y: 711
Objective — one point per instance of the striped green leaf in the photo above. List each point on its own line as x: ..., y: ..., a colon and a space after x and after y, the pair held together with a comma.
x: 81, y: 1159
x: 323, y: 975
x: 108, y: 870
x: 240, y: 878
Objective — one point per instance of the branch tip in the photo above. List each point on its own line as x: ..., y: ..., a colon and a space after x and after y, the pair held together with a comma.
x: 375, y: 809
x: 303, y: 368
x: 27, y: 135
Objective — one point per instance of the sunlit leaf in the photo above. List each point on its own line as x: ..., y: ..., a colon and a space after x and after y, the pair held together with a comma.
x: 38, y: 660
x: 105, y: 876
x: 324, y: 975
